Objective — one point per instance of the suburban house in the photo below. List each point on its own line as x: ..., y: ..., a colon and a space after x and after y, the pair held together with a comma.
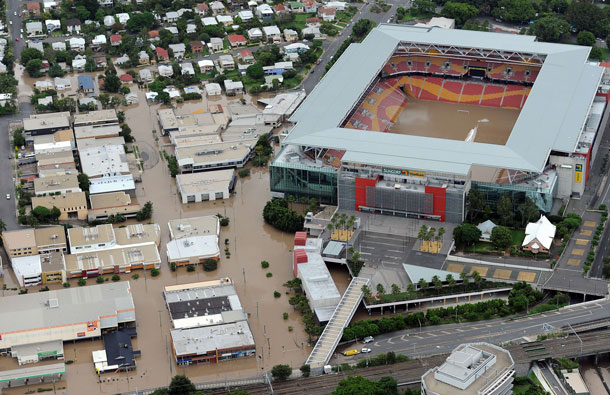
x: 79, y: 62
x: 213, y: 89
x: 245, y: 15
x: 272, y: 33
x: 165, y: 71
x: 216, y: 44
x: 290, y: 35
x: 115, y: 40
x: 205, y: 65
x: 310, y: 6
x: 34, y: 28
x: 233, y: 87
x: 85, y: 83
x: 225, y: 20
x: 196, y: 46
x: 217, y: 7
x: 187, y: 68
x: 36, y: 45
x: 246, y: 56
x: 73, y: 26
x: 122, y: 60
x: 145, y: 75
x: 61, y: 84
x: 327, y: 14
x: 98, y: 41
x: 296, y: 47
x: 202, y: 9
x: 58, y: 46
x: 126, y: 78
x: 486, y: 228
x: 105, y: 3
x: 143, y: 58
x: 237, y: 40
x: 191, y: 28
x: 280, y: 9
x: 172, y: 17
x: 52, y: 25
x: 162, y: 54
x: 255, y: 34
x: 209, y: 21
x: 264, y: 12
x: 539, y: 236
x: 123, y: 17
x: 313, y: 21
x: 226, y: 62
x: 77, y: 44
x: 33, y: 8
x: 109, y: 20
x: 312, y: 31
x: 296, y: 7
x: 178, y: 49
x: 153, y: 35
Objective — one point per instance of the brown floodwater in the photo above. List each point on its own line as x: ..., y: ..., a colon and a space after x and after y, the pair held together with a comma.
x: 250, y: 241
x: 454, y: 121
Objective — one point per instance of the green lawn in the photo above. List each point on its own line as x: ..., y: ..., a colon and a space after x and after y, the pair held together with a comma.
x: 343, y: 17
x: 204, y: 77
x: 299, y: 20
x: 481, y: 246
x: 518, y: 236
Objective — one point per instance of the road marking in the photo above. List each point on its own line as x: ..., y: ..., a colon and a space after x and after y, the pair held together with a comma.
x: 445, y: 332
x: 403, y: 337
x: 390, y: 341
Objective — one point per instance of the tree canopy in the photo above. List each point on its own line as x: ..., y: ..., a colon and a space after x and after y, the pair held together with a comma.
x: 466, y: 234
x: 551, y: 28
x: 461, y: 12
x: 501, y: 237
x: 358, y: 385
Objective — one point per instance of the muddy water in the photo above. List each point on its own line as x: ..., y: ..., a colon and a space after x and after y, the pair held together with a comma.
x: 250, y: 241
x: 454, y: 121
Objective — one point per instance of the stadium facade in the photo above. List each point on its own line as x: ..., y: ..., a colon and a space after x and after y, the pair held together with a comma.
x: 345, y: 147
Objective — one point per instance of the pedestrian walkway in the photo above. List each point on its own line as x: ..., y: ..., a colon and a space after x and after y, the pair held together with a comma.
x: 325, y: 347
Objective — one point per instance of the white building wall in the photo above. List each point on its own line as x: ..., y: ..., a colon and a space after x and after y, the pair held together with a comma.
x: 63, y: 333
x: 568, y: 180
x: 199, y: 197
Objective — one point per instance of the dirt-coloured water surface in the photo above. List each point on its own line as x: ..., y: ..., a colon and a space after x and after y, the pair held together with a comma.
x: 250, y: 241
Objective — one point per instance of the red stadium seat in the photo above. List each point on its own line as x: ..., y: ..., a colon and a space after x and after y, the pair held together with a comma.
x: 471, y: 93
x: 492, y: 95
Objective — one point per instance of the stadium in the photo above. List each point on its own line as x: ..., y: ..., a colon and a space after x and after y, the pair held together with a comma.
x: 408, y: 121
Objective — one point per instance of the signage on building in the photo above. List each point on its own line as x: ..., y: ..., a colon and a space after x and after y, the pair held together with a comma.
x: 46, y: 354
x: 408, y: 173
x: 80, y: 334
x: 578, y: 173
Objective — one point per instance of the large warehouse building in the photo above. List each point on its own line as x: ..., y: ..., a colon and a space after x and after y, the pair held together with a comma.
x: 412, y: 118
x: 65, y: 314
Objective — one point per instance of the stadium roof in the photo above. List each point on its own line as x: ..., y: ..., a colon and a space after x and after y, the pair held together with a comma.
x: 552, y: 118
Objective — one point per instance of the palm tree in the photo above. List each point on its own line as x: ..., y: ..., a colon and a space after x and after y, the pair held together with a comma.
x: 2, y: 226
x: 423, y: 231
x: 477, y: 278
x: 411, y: 288
x: 423, y: 284
x: 395, y: 289
x: 464, y: 278
x: 291, y: 199
x: 330, y: 227
x: 450, y: 280
x: 438, y: 285
x: 366, y: 291
x: 431, y: 232
x: 380, y: 289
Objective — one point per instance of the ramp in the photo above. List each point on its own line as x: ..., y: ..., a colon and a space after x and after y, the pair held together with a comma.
x: 330, y: 337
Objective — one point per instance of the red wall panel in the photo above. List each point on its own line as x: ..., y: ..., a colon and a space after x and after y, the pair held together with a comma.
x: 438, y: 194
x: 360, y: 195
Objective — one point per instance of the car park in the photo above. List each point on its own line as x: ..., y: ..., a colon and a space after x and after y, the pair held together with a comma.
x: 369, y: 339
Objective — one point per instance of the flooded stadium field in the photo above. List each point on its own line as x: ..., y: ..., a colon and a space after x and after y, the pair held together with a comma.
x: 454, y: 121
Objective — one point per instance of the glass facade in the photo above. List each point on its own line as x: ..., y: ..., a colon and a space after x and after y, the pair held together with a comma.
x: 543, y: 197
x: 301, y: 180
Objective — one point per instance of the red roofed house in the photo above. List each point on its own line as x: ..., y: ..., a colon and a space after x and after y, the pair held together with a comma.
x: 327, y: 14
x: 196, y: 46
x: 202, y: 9
x: 280, y: 9
x: 245, y: 56
x: 153, y: 35
x: 33, y: 8
x: 115, y: 40
x: 237, y: 40
x: 162, y: 54
x: 126, y: 78
x: 315, y: 21
x: 310, y: 6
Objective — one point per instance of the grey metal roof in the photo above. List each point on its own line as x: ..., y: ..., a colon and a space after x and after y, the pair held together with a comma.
x: 552, y: 118
x: 32, y: 311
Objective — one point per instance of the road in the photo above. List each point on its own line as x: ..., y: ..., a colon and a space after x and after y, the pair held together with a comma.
x: 442, y: 339
x: 551, y: 378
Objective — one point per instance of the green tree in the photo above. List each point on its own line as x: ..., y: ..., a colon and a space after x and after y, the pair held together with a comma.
x: 366, y: 291
x: 587, y: 16
x: 281, y: 372
x: 529, y: 211
x: 550, y: 28
x: 305, y: 370
x: 505, y: 210
x: 33, y: 67
x: 83, y: 182
x: 501, y: 237
x: 181, y: 385
x: 596, y: 54
x: 515, y: 10
x: 56, y: 71
x: 395, y: 289
x: 461, y: 12
x: 423, y: 233
x: 422, y: 7
x: 364, y: 26
x: 255, y: 71
x: 28, y: 54
x: 475, y: 204
x: 422, y: 284
x: 450, y: 280
x: 18, y: 138
x: 466, y: 234
x: 112, y: 82
x: 585, y: 38
x: 82, y: 13
x: 146, y: 212
x: 380, y: 289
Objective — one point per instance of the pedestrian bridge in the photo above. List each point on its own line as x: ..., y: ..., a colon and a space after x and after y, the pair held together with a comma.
x: 330, y: 337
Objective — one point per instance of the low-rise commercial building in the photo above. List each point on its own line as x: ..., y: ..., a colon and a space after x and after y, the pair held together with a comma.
x: 71, y: 205
x: 476, y: 368
x: 193, y: 240
x: 39, y: 269
x: 27, y: 242
x: 104, y: 161
x: 99, y: 117
x: 38, y: 124
x: 104, y: 205
x: 65, y: 314
x: 204, y: 186
x: 121, y: 183
x: 209, y: 323
x: 215, y: 156
x: 56, y: 185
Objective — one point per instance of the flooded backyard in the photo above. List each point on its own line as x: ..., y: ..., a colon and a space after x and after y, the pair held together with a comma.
x: 250, y: 241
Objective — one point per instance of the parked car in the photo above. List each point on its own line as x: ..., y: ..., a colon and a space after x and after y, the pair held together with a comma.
x: 8, y: 196
x: 369, y: 339
x: 350, y: 352
x: 366, y: 350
